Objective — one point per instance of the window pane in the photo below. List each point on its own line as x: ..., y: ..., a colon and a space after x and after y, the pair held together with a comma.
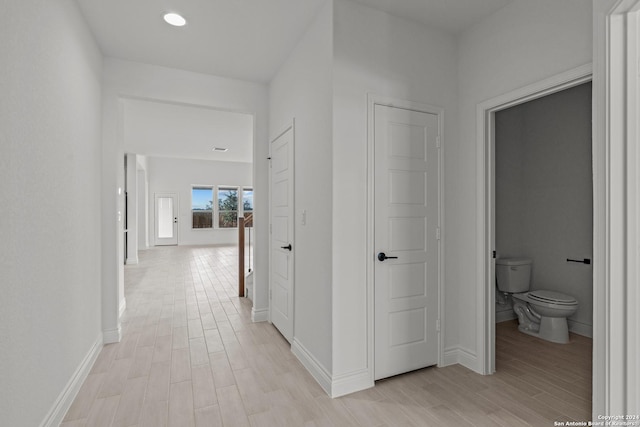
x: 201, y: 198
x: 202, y: 207
x: 227, y: 207
x: 228, y: 219
x: 228, y: 199
x: 247, y: 200
x: 247, y: 206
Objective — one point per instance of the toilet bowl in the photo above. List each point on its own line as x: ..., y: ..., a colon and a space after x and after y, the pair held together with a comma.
x: 541, y: 313
x: 544, y: 313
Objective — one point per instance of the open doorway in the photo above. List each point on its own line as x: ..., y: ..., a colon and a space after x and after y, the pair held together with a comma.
x: 487, y: 185
x: 489, y: 113
x: 543, y: 230
x: 544, y: 198
x: 197, y: 163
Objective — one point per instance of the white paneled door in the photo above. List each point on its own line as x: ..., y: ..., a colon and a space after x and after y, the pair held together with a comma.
x: 166, y: 219
x: 406, y: 240
x: 282, y: 250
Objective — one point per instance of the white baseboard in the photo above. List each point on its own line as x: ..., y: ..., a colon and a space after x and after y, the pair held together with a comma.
x: 335, y: 386
x: 312, y: 365
x: 468, y: 359
x: 351, y: 382
x: 69, y: 393
x: 112, y: 335
x: 457, y: 355
x: 131, y: 261
x: 449, y: 357
x: 123, y: 307
x: 580, y: 328
x: 503, y: 316
x: 260, y: 315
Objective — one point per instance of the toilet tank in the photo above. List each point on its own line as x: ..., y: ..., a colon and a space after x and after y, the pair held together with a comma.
x: 513, y: 275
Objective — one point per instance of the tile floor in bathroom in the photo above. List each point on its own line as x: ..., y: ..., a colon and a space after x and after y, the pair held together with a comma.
x: 190, y: 356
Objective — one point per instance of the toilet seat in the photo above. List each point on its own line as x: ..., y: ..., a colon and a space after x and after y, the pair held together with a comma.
x: 552, y: 297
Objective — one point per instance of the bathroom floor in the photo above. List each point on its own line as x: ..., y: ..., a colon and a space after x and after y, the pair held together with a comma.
x: 555, y: 376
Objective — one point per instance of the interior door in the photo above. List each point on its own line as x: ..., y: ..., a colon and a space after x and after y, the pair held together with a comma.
x: 406, y: 240
x: 282, y: 250
x: 166, y: 219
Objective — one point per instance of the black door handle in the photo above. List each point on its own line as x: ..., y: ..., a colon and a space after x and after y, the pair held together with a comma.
x: 382, y: 256
x: 288, y: 247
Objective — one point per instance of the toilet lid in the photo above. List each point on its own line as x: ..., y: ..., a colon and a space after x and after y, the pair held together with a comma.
x: 552, y: 297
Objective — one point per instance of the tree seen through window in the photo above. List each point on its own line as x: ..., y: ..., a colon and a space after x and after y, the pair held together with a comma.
x: 227, y: 207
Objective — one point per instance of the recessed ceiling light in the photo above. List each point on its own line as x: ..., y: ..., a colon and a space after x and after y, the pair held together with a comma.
x: 220, y: 149
x: 175, y: 19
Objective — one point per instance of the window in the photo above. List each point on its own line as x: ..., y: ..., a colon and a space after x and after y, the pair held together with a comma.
x: 230, y: 203
x: 247, y: 206
x: 202, y: 207
x: 227, y: 207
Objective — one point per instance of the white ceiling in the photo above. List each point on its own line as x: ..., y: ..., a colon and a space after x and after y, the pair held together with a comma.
x: 185, y: 131
x: 451, y: 16
x: 243, y: 39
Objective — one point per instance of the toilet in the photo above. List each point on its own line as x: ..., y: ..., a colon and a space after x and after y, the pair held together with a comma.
x: 541, y: 313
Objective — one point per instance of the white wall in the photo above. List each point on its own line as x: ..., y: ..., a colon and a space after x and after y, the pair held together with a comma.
x: 302, y: 89
x: 129, y: 79
x: 544, y: 193
x: 375, y: 53
x: 132, y: 208
x: 143, y: 203
x: 520, y: 44
x: 50, y: 71
x: 170, y: 175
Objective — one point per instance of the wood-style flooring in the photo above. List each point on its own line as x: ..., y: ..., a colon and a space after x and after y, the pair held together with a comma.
x: 190, y: 356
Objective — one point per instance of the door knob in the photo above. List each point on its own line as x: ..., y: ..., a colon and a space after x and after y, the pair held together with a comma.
x: 288, y: 247
x: 382, y: 256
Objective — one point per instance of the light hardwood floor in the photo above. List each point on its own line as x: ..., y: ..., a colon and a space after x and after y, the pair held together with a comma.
x: 190, y: 356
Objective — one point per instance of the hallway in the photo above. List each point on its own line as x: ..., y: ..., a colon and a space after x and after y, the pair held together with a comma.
x: 191, y: 357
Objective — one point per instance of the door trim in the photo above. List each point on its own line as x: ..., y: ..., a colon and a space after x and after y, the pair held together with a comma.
x: 616, y: 377
x: 485, y: 175
x: 285, y: 129
x: 372, y: 101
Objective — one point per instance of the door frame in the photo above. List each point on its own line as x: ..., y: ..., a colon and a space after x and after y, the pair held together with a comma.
x: 372, y: 101
x: 289, y: 126
x: 616, y: 376
x: 175, y: 196
x: 485, y: 300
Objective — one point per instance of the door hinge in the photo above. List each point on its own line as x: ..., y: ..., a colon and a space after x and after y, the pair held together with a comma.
x: 438, y: 233
x: 438, y: 141
x: 493, y: 254
x: 438, y: 325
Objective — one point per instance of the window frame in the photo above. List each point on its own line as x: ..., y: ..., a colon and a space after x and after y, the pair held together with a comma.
x: 217, y: 211
x: 241, y: 213
x: 203, y: 187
